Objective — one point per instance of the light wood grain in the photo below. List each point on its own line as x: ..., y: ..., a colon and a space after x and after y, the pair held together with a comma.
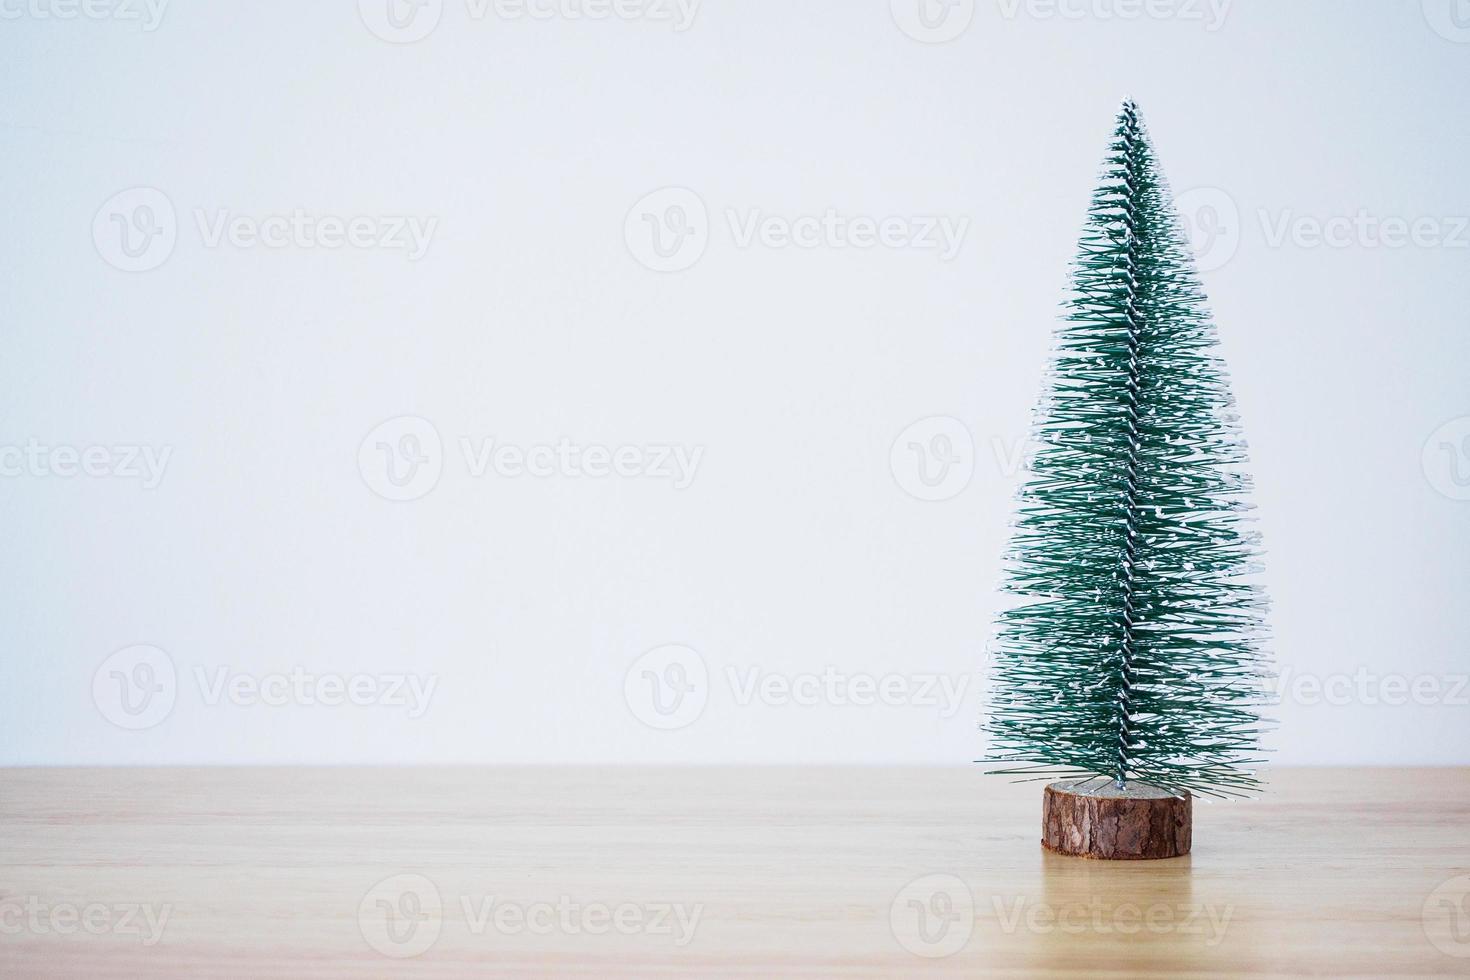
x: 793, y: 872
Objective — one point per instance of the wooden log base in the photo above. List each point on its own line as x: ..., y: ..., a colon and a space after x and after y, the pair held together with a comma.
x: 1096, y: 819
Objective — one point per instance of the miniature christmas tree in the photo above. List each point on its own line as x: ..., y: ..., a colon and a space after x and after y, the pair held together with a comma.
x: 1134, y: 669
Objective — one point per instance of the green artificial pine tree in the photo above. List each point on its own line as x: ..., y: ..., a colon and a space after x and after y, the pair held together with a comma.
x: 1137, y: 655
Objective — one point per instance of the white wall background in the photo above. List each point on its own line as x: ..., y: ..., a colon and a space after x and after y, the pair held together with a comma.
x: 265, y: 550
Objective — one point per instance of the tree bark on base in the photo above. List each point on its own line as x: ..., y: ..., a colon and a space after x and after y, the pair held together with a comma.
x: 1097, y: 819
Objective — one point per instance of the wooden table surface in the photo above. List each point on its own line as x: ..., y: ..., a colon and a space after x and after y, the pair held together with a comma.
x: 709, y: 872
